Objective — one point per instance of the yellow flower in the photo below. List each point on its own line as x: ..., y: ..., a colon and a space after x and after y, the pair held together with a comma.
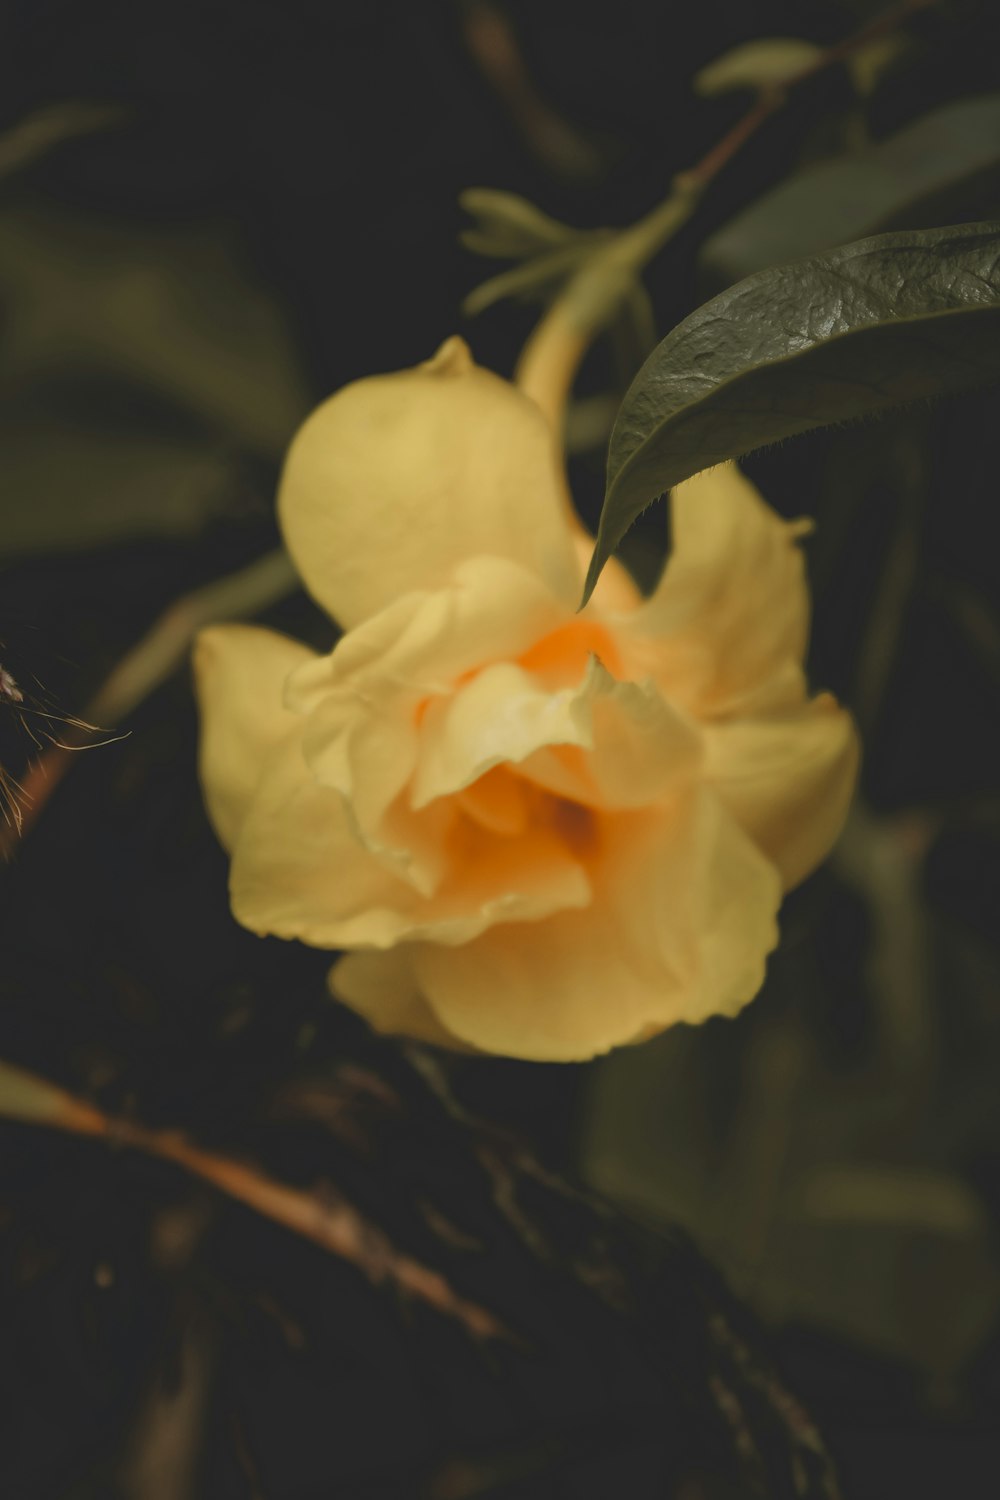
x: 535, y: 832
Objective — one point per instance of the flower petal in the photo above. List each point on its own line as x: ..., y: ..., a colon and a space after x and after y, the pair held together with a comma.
x: 364, y: 701
x: 382, y: 988
x: 490, y: 610
x: 727, y: 626
x: 636, y: 746
x: 397, y: 478
x: 239, y: 675
x: 367, y: 755
x: 300, y: 871
x: 502, y: 715
x: 682, y: 920
x: 643, y: 748
x: 788, y: 781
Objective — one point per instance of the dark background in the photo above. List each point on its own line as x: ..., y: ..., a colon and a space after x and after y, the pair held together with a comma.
x: 271, y: 210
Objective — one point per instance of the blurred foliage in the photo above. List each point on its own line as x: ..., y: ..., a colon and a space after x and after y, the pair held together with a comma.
x: 144, y: 369
x: 269, y: 209
x: 943, y: 168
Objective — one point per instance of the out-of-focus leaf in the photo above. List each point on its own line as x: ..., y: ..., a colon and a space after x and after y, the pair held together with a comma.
x: 867, y: 64
x: 172, y: 310
x: 509, y: 226
x: 939, y: 167
x: 532, y: 278
x: 30, y: 139
x: 880, y: 323
x: 763, y: 63
x: 67, y: 483
x: 139, y: 368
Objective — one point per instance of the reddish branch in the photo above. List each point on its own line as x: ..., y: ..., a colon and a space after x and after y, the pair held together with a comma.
x: 324, y: 1216
x: 774, y: 96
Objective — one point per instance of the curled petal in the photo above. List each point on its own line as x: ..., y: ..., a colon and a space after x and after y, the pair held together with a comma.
x: 300, y: 871
x: 367, y: 756
x: 788, y: 780
x: 501, y: 715
x: 682, y: 920
x: 397, y: 478
x: 643, y: 748
x: 637, y: 747
x: 728, y: 623
x: 491, y: 610
x: 365, y: 704
x: 239, y: 676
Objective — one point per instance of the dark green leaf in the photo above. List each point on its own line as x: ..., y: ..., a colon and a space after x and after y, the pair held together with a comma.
x: 886, y: 321
x: 935, y: 170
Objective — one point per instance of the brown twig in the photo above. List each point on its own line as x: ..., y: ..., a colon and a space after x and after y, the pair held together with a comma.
x: 774, y: 96
x: 491, y: 41
x: 326, y: 1218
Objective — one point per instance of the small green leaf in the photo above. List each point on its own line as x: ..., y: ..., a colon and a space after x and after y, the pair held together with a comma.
x: 886, y: 321
x: 764, y: 63
x: 509, y: 226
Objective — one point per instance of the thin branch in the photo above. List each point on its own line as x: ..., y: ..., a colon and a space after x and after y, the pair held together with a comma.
x: 774, y: 96
x: 491, y: 41
x: 324, y: 1217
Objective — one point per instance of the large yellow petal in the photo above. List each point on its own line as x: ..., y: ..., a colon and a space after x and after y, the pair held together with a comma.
x: 725, y: 630
x: 239, y: 675
x: 397, y: 478
x: 788, y: 780
x: 683, y: 917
